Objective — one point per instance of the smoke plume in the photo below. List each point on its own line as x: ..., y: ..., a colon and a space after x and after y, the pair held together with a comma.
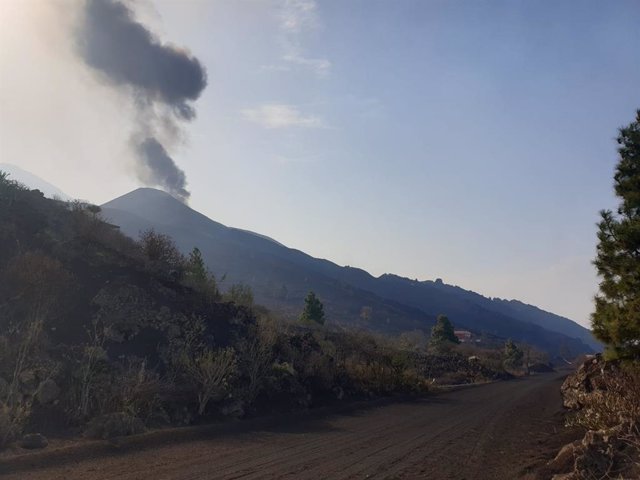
x: 158, y: 168
x: 161, y: 79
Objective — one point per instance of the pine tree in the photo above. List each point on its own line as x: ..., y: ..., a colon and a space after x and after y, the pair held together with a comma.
x: 313, y: 310
x: 442, y: 334
x: 512, y: 355
x: 196, y: 269
x: 198, y: 277
x: 616, y: 320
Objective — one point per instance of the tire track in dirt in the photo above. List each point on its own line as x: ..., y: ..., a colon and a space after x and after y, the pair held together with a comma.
x: 454, y: 435
x: 328, y: 449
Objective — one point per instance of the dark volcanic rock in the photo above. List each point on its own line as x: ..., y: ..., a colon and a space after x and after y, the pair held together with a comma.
x: 541, y: 368
x: 34, y: 441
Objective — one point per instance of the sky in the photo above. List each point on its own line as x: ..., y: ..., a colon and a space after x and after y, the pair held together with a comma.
x: 472, y: 141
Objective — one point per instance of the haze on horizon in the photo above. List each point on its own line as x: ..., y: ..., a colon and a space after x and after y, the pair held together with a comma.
x: 468, y: 141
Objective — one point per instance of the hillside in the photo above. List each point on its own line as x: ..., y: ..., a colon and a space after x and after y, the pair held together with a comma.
x: 280, y: 278
x: 496, y: 314
x: 33, y: 181
x: 91, y: 325
x: 106, y: 335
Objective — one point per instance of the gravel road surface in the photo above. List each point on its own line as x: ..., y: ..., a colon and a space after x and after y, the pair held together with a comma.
x: 495, y: 431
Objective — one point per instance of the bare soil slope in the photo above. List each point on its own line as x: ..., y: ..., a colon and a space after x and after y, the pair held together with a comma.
x: 496, y: 431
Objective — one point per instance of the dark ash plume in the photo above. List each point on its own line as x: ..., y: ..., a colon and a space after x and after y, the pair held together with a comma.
x: 161, y: 78
x: 159, y: 169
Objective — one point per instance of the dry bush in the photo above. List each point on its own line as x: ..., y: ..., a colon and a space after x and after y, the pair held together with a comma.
x: 211, y: 372
x: 374, y: 375
x: 34, y: 286
x: 239, y: 294
x: 616, y: 402
x: 611, y: 413
x: 112, y: 425
x: 490, y: 358
x: 414, y: 340
x: 86, y: 221
x: 162, y: 255
x: 256, y: 357
x: 319, y: 368
x: 377, y: 364
x: 90, y: 229
x: 96, y: 387
x: 13, y: 417
x: 137, y: 392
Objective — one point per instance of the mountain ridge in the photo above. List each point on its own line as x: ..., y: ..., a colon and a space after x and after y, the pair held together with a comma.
x: 281, y: 276
x: 33, y: 181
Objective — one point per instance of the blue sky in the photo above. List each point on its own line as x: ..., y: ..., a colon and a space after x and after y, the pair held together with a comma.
x: 467, y: 140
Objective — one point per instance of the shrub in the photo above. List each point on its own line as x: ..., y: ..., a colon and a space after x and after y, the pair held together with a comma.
x: 256, y: 357
x: 13, y: 416
x: 616, y: 402
x: 117, y: 424
x: 240, y: 295
x: 162, y: 255
x: 610, y: 410
x: 130, y: 388
x: 210, y: 372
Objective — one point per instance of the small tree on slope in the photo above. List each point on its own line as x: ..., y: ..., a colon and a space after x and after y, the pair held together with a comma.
x: 313, y: 310
x: 616, y: 320
x: 512, y: 355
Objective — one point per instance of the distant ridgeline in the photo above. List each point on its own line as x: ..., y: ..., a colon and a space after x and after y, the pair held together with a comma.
x: 18, y: 174
x: 280, y: 278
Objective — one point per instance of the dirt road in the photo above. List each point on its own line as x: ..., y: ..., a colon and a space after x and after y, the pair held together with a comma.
x: 492, y: 432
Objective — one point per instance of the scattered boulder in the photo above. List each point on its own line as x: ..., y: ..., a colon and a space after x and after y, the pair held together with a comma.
x: 34, y: 441
x: 48, y: 392
x: 114, y: 425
